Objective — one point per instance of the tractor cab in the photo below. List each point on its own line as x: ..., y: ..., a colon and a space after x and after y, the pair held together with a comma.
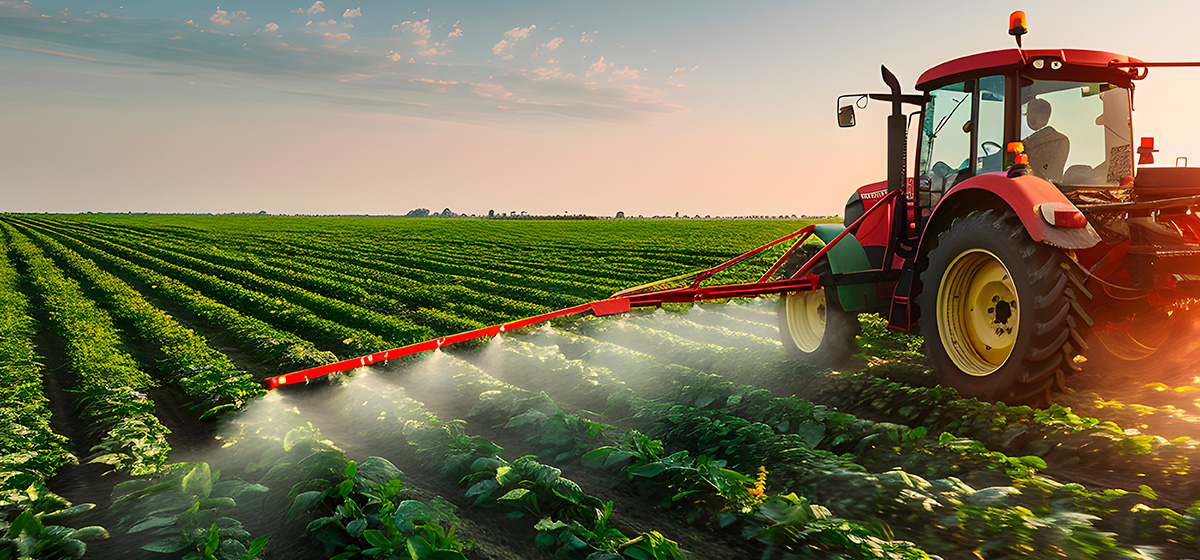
x: 1070, y: 109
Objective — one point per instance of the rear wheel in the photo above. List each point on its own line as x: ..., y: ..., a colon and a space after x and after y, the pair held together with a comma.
x: 813, y: 326
x: 997, y: 310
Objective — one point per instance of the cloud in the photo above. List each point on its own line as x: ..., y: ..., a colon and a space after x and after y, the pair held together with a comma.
x: 333, y: 40
x: 597, y: 67
x: 490, y: 90
x: 624, y: 74
x: 45, y: 51
x: 456, y: 33
x: 516, y: 34
x: 421, y: 28
x: 362, y: 73
x: 223, y: 17
x: 352, y: 13
x: 316, y: 8
x: 553, y: 43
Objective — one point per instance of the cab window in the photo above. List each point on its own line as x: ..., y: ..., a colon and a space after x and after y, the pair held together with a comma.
x: 963, y: 122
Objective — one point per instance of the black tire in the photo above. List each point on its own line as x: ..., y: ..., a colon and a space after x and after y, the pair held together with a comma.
x: 1015, y: 346
x: 837, y: 336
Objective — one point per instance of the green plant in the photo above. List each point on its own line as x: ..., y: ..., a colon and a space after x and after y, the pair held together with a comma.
x: 1018, y: 530
x: 651, y: 546
x: 186, y: 504
x: 28, y: 516
x: 701, y: 482
x: 790, y: 523
x: 369, y: 518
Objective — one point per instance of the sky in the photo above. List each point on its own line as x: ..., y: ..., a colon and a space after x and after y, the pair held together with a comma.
x: 701, y: 107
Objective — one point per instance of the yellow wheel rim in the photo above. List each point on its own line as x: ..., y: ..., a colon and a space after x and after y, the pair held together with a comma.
x: 805, y: 312
x: 978, y: 312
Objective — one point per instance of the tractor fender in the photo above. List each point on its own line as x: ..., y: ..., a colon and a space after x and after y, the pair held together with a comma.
x: 848, y: 255
x: 1023, y: 194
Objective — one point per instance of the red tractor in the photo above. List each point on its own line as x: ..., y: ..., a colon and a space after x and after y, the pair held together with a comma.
x: 1022, y: 240
x: 1014, y: 262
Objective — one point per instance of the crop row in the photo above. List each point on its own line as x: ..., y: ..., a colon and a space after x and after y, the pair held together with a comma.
x: 109, y: 380
x: 354, y: 290
x: 257, y: 337
x: 324, y: 332
x: 188, y: 360
x: 578, y: 287
x: 27, y: 442
x: 702, y: 487
x: 746, y: 425
x: 530, y: 261
x: 1055, y: 434
x: 395, y: 330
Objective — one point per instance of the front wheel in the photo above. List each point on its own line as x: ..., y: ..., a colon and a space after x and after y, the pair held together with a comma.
x: 997, y: 310
x: 813, y: 326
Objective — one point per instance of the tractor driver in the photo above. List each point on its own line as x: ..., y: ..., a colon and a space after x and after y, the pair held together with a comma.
x: 1047, y: 148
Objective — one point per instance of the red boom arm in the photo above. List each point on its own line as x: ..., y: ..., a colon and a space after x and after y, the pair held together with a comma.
x: 649, y: 295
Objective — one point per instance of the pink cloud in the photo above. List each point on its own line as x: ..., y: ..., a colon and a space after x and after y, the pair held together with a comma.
x: 553, y: 43
x: 333, y: 40
x: 490, y: 90
x: 456, y: 33
x: 421, y: 28
x: 433, y: 51
x: 316, y: 8
x: 516, y: 34
x: 223, y: 17
x: 352, y: 13
x: 596, y: 68
x: 268, y: 28
x: 624, y: 74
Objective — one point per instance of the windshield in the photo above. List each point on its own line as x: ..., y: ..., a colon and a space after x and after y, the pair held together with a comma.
x: 1077, y: 133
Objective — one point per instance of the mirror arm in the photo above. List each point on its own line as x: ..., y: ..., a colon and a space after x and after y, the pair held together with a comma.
x: 912, y: 99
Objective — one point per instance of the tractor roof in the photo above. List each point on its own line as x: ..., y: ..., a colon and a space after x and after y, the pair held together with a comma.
x: 1078, y: 65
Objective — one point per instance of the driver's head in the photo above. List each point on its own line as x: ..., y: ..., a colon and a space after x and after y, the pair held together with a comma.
x: 1037, y: 113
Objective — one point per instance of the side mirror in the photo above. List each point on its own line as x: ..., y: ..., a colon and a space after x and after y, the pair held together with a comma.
x: 846, y: 116
x: 846, y: 105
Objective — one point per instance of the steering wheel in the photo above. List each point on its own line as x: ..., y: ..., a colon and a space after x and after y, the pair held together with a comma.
x: 990, y: 148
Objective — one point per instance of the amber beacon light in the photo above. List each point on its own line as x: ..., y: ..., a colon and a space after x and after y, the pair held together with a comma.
x: 1017, y: 25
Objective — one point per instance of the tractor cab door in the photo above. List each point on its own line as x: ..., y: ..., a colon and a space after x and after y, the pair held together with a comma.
x: 962, y: 135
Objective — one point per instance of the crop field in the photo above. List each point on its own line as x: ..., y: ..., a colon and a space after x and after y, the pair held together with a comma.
x: 134, y: 424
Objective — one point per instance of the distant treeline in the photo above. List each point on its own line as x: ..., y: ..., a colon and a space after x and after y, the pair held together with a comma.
x: 491, y: 215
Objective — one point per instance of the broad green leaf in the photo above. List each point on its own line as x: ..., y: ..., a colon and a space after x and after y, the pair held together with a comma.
x: 376, y: 538
x: 419, y: 549
x: 152, y: 523
x: 811, y: 432
x: 91, y: 532
x: 198, y: 482
x: 301, y: 504
x: 169, y: 545
x: 649, y: 471
x: 515, y: 494
x: 355, y: 528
